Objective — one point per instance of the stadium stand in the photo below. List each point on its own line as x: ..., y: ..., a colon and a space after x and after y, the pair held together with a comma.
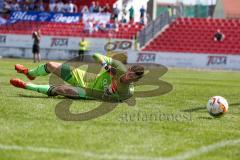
x: 126, y: 31
x: 88, y: 2
x: 195, y: 35
x: 82, y: 3
x: 1, y: 5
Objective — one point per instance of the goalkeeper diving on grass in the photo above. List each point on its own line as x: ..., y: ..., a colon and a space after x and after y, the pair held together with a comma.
x: 113, y: 82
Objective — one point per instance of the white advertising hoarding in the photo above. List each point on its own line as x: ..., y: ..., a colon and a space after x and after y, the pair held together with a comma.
x: 64, y: 43
x: 101, y: 17
x: 54, y: 47
x: 187, y: 60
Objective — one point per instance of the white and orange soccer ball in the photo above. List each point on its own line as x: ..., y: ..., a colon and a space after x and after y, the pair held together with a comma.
x: 217, y: 106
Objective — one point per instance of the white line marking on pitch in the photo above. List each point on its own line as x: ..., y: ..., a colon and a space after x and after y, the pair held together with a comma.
x: 72, y: 152
x: 205, y: 149
x: 181, y: 156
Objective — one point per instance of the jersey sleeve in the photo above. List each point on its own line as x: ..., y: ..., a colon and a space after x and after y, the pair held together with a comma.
x: 105, y: 60
x: 102, y: 59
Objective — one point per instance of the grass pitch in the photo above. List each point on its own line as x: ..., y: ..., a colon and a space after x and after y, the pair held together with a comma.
x: 30, y: 129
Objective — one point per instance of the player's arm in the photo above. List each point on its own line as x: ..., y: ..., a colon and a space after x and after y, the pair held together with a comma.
x: 103, y: 60
x: 108, y: 63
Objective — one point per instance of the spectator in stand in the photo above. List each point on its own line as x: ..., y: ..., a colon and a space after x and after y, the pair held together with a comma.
x: 66, y: 8
x: 116, y: 12
x: 19, y: 1
x: 85, y: 10
x: 14, y: 6
x: 124, y: 14
x: 35, y: 49
x: 142, y: 15
x: 60, y: 6
x: 131, y: 14
x: 70, y: 7
x: 112, y: 26
x: 75, y: 8
x: 116, y: 26
x: 97, y: 8
x: 170, y: 12
x: 97, y: 26
x: 30, y: 6
x: 102, y: 27
x: 88, y: 27
x: 92, y: 7
x: 218, y: 36
x: 41, y: 7
x: 7, y: 7
x: 27, y: 6
x: 21, y: 4
x: 106, y: 8
x: 52, y: 6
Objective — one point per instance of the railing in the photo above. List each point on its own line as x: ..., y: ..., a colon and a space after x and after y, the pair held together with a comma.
x: 154, y: 27
x: 179, y: 10
x: 232, y: 16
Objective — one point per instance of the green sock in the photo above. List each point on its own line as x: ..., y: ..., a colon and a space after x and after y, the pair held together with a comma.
x: 41, y: 70
x: 39, y: 88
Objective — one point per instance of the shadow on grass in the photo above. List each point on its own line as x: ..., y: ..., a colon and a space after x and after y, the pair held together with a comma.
x: 56, y: 97
x: 235, y: 104
x: 197, y: 109
x: 205, y: 118
x: 40, y: 96
x: 194, y: 109
x: 46, y: 97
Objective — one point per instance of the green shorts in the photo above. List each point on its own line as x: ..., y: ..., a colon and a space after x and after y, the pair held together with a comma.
x: 68, y: 76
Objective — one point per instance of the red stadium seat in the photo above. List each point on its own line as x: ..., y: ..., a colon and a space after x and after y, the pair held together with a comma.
x: 73, y: 29
x: 195, y: 35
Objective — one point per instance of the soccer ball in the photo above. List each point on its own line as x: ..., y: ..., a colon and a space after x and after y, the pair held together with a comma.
x: 217, y: 106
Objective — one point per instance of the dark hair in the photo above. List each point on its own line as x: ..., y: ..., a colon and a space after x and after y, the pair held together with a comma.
x: 137, y: 69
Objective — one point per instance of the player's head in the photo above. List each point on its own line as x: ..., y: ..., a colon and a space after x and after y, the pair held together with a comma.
x: 133, y: 74
x: 34, y: 33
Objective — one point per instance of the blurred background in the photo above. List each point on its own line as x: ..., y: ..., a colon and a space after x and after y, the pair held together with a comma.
x: 148, y: 31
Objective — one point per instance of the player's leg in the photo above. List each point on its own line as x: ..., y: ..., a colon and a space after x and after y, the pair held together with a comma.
x: 34, y: 53
x: 39, y: 57
x: 38, y: 54
x: 82, y: 55
x: 34, y: 58
x: 68, y: 91
x: 63, y: 90
x: 29, y: 86
x: 40, y: 70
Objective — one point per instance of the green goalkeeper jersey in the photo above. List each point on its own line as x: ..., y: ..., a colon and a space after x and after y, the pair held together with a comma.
x: 98, y: 85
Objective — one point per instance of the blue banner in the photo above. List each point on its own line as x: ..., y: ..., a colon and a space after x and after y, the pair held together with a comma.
x: 44, y: 17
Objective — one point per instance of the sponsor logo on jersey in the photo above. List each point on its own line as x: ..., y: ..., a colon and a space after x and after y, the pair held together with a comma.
x: 105, y: 84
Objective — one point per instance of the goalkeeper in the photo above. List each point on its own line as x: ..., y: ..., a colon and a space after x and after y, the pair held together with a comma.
x: 114, y: 82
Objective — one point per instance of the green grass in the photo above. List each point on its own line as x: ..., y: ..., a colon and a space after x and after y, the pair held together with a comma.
x: 30, y: 129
